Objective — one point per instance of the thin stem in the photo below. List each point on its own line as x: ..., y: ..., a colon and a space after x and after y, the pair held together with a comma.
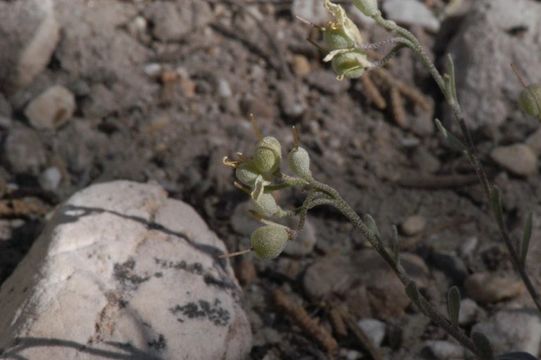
x: 341, y: 205
x: 471, y: 151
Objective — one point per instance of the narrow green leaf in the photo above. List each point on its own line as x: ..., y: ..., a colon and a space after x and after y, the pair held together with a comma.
x: 371, y: 224
x: 525, y: 243
x: 496, y: 204
x: 413, y: 292
x: 450, y: 139
x: 395, y: 245
x: 453, y: 304
x: 516, y: 356
x: 483, y: 345
x: 452, y: 76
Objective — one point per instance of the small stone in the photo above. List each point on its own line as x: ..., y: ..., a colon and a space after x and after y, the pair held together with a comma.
x: 224, y: 89
x: 304, y: 242
x: 374, y: 329
x: 512, y: 330
x: 326, y: 82
x: 534, y: 141
x: 51, y: 109
x: 171, y: 22
x: 50, y: 179
x: 426, y: 161
x: 468, y: 312
x: 452, y: 265
x: 24, y: 151
x: 291, y: 99
x: 364, y: 271
x: 122, y: 263
x: 5, y: 107
x: 5, y: 122
x: 413, y: 225
x: 490, y: 287
x: 30, y: 34
x: 411, y: 12
x: 443, y: 350
x: 310, y: 10
x: 301, y: 65
x: 518, y: 159
x: 153, y: 70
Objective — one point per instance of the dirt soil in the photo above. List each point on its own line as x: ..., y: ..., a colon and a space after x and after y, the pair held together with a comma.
x: 157, y: 105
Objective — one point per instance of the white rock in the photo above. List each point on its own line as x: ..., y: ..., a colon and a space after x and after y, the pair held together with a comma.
x: 51, y: 109
x: 374, y: 329
x: 24, y: 151
x: 518, y: 159
x: 310, y: 10
x: 122, y: 271
x: 444, y: 350
x: 494, y: 33
x: 30, y: 34
x: 485, y: 287
x: 50, y: 178
x: 468, y: 311
x: 512, y: 330
x: 413, y: 225
x: 411, y: 12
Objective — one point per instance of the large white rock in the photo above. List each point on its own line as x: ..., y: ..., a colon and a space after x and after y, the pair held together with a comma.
x: 29, y: 34
x: 495, y: 34
x: 124, y: 272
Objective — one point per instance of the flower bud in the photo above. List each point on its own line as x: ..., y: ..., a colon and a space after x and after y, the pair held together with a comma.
x: 267, y: 155
x: 367, y: 7
x: 246, y: 174
x: 266, y: 206
x: 349, y: 64
x: 530, y: 100
x: 335, y: 38
x: 269, y: 241
x: 341, y: 33
x: 298, y: 161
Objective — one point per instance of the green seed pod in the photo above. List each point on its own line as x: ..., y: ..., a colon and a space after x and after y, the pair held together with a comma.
x: 298, y: 161
x: 268, y: 155
x: 341, y: 33
x: 335, y: 38
x: 246, y: 174
x: 269, y: 241
x: 367, y: 7
x: 530, y: 100
x: 266, y: 206
x: 351, y: 64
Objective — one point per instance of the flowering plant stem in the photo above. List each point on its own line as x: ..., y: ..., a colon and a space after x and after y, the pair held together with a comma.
x: 448, y: 88
x: 333, y: 198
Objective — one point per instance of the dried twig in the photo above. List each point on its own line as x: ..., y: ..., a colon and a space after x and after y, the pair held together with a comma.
x: 373, y: 94
x: 365, y: 341
x: 399, y: 113
x: 408, y: 91
x: 337, y: 321
x: 305, y: 322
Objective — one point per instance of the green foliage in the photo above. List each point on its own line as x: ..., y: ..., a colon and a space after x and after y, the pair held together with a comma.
x: 269, y: 241
x: 529, y: 100
x: 453, y: 304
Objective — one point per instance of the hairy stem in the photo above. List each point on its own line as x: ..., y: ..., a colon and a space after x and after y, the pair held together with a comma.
x: 471, y: 152
x: 341, y: 205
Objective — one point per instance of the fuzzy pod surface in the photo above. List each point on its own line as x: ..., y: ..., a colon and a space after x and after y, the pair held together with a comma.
x: 298, y: 161
x: 367, y: 7
x: 269, y: 241
x: 529, y: 100
x: 246, y: 173
x: 268, y: 155
x: 266, y: 206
